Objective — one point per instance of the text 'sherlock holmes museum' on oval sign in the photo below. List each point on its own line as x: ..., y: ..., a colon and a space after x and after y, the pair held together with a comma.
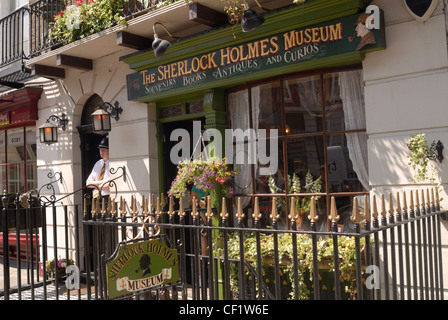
x: 140, y: 266
x: 323, y: 40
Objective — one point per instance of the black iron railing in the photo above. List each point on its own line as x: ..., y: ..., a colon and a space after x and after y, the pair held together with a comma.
x: 392, y: 254
x: 34, y: 23
x: 13, y: 33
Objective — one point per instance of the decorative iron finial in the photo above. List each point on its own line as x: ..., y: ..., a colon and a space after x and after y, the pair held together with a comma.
x: 356, y: 216
x: 383, y: 207
x: 194, y: 208
x: 313, y: 217
x: 239, y: 211
x: 257, y: 215
x: 374, y: 208
x: 334, y: 217
x: 293, y: 216
x: 398, y: 209
x: 274, y: 215
x: 366, y: 214
x: 391, y: 205
x: 181, y: 212
x: 209, y: 212
x: 158, y: 208
x: 405, y: 204
x: 123, y: 207
x: 224, y: 213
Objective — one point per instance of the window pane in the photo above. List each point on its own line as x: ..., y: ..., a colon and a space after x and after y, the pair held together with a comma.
x: 31, y: 144
x: 302, y: 103
x: 31, y: 176
x: 266, y: 107
x: 16, y: 178
x: 334, y: 113
x: 274, y: 170
x: 16, y: 147
x: 306, y: 156
x: 341, y: 174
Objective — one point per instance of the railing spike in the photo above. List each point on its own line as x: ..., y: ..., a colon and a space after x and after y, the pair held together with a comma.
x: 209, y: 211
x: 391, y: 205
x: 313, y: 217
x: 383, y: 207
x: 239, y: 211
x: 153, y: 201
x: 274, y: 211
x: 411, y: 201
x: 405, y: 204
x: 398, y: 210
x: 134, y: 206
x: 181, y: 212
x: 293, y: 211
x: 158, y: 207
x: 256, y: 215
x: 224, y: 213
x: 374, y: 208
x: 433, y: 203
x: 194, y: 208
x: 334, y: 217
x: 366, y: 214
x: 428, y: 199
x: 356, y: 217
x: 171, y: 212
x: 123, y: 207
x: 422, y: 201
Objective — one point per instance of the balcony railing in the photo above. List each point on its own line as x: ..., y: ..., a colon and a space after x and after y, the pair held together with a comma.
x: 42, y: 15
x: 13, y: 37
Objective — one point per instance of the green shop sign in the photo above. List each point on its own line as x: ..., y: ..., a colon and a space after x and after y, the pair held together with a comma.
x: 336, y: 37
x: 140, y: 266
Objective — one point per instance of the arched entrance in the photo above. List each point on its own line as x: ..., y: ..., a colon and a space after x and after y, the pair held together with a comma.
x: 89, y: 140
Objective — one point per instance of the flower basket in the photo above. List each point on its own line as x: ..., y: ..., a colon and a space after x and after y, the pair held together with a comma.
x: 213, y: 176
x: 56, y: 269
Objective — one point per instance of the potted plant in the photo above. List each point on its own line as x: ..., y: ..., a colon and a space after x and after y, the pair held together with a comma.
x: 295, y: 187
x: 56, y: 268
x: 419, y: 159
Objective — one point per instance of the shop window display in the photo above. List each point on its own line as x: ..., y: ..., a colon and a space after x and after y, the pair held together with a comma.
x: 321, y: 143
x: 18, y: 171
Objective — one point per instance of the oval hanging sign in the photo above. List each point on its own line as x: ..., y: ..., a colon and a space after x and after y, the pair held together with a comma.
x: 421, y: 10
x: 141, y: 266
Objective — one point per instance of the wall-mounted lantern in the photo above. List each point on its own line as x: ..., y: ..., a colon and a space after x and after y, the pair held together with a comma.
x: 48, y: 132
x: 101, y: 117
x: 160, y: 45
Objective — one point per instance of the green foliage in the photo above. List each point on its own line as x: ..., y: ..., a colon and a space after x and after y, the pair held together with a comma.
x: 304, y: 263
x: 295, y: 187
x: 80, y: 20
x: 418, y: 159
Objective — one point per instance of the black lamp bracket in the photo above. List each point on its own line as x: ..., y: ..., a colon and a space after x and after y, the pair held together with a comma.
x: 61, y: 121
x: 436, y: 151
x: 261, y: 7
x: 114, y: 110
x: 163, y: 26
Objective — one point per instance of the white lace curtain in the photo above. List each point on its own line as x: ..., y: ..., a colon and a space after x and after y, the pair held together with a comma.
x: 352, y: 94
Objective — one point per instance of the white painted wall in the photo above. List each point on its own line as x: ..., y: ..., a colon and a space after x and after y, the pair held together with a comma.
x: 132, y: 141
x: 406, y: 93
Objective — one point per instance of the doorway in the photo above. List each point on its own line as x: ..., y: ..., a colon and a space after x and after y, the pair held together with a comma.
x: 169, y: 168
x: 89, y: 140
